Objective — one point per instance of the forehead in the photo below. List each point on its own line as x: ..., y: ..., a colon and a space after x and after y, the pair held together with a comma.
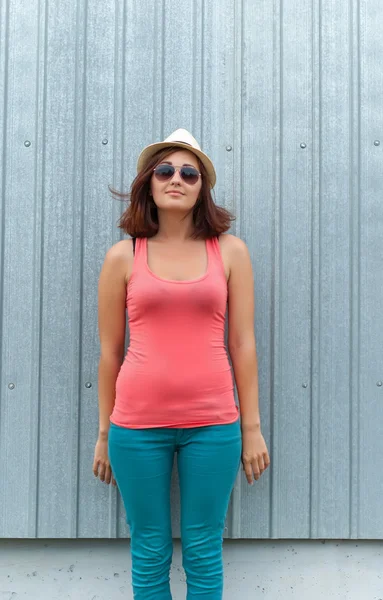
x: 181, y: 157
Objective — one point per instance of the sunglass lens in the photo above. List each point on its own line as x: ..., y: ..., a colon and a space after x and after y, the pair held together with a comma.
x: 164, y: 172
x: 189, y: 175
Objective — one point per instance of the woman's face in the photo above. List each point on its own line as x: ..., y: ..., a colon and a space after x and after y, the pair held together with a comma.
x: 187, y: 194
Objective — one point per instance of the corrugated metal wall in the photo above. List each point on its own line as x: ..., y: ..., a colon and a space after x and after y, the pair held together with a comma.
x: 286, y: 96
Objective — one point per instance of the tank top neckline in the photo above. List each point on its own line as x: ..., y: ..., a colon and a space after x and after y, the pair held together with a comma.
x: 182, y: 281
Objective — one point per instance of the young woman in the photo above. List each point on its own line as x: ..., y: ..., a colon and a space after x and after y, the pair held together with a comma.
x: 173, y: 392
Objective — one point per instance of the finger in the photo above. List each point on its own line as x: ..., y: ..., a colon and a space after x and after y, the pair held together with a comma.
x: 249, y: 472
x: 256, y: 470
x: 266, y: 459
x: 114, y: 481
x: 101, y: 471
x: 261, y: 464
x: 95, y: 467
x: 108, y: 474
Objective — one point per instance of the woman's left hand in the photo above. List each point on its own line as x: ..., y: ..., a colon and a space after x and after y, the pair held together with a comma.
x: 255, y: 457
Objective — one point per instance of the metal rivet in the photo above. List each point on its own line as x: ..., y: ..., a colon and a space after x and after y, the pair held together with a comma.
x: 27, y: 143
x: 304, y: 385
x: 229, y: 148
x: 303, y: 145
x: 377, y: 143
x: 379, y: 384
x: 105, y: 142
x: 11, y: 386
x: 88, y: 384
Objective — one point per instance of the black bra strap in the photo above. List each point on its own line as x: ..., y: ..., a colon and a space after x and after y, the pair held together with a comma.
x: 134, y: 245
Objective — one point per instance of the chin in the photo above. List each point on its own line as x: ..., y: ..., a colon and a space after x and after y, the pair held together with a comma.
x: 173, y: 202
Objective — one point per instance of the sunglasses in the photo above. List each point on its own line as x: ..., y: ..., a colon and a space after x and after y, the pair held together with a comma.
x: 164, y: 172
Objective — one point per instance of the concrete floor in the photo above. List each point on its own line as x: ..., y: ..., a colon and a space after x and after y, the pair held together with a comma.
x: 267, y: 569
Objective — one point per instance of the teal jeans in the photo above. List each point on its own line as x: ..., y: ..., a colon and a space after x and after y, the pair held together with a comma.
x: 208, y: 459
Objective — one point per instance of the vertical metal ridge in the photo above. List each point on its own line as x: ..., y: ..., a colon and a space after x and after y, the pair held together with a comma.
x: 121, y: 130
x: 41, y: 263
x: 238, y: 115
x: 193, y: 61
x: 236, y: 525
x: 274, y: 315
x: 241, y: 109
x: 197, y: 62
x: 355, y: 264
x: 78, y: 246
x: 118, y: 167
x: 162, y: 69
x: 36, y: 318
x: 154, y: 73
x: 158, y: 82
x: 202, y: 85
x: 315, y: 279
x: 4, y: 66
x: 4, y: 57
x: 118, y: 105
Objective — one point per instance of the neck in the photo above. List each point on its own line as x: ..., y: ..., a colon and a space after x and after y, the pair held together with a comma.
x: 174, y: 226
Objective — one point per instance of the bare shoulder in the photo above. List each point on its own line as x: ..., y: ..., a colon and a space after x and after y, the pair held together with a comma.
x: 234, y: 252
x: 234, y: 248
x: 120, y: 249
x: 120, y: 256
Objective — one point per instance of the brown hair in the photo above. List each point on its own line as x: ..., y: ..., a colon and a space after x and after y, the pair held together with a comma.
x: 140, y: 219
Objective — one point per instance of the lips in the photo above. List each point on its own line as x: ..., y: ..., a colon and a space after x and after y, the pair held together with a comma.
x: 175, y: 192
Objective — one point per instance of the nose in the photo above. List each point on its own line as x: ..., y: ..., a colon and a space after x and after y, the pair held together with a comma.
x: 176, y: 177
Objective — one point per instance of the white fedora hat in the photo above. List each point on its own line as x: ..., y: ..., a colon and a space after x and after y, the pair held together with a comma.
x: 182, y: 139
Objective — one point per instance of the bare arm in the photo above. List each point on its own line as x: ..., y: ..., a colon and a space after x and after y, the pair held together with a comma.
x: 111, y: 325
x: 241, y: 338
x: 242, y: 350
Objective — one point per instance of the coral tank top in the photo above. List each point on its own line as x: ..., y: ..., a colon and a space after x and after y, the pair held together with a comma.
x: 176, y: 371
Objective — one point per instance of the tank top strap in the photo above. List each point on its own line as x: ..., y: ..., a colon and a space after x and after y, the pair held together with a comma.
x: 139, y: 257
x: 215, y: 255
x: 213, y: 247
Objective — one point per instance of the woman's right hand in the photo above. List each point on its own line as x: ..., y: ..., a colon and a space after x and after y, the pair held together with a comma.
x: 101, y: 464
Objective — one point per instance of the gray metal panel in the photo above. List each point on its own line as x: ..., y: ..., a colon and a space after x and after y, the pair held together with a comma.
x: 368, y: 285
x: 332, y: 275
x: 292, y: 276
x: 100, y: 143
x: 253, y: 176
x: 61, y: 276
x: 19, y: 269
x: 90, y: 83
